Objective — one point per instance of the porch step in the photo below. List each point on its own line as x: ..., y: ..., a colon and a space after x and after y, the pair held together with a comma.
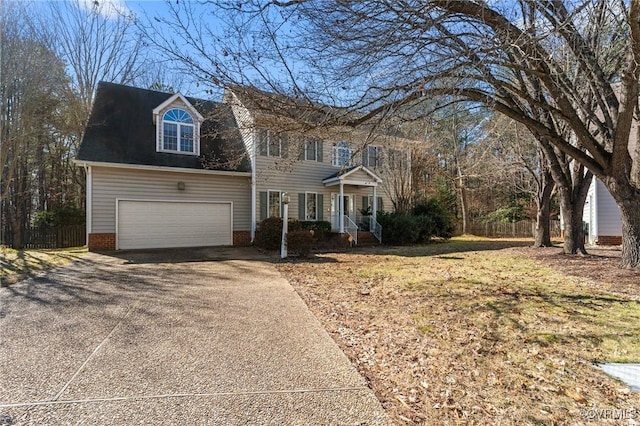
x: 366, y: 238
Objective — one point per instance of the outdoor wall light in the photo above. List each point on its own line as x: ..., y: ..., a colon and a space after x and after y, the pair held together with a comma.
x: 181, y: 186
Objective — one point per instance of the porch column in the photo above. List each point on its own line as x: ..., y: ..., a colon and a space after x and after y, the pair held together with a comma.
x: 341, y: 209
x: 374, y: 206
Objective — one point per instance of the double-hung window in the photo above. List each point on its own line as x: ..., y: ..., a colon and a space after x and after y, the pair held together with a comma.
x: 311, y: 203
x: 311, y: 147
x: 271, y: 144
x: 342, y: 154
x: 397, y: 160
x: 371, y: 156
x: 274, y: 199
x: 178, y: 131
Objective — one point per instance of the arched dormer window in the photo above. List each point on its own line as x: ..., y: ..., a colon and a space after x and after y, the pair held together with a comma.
x: 178, y: 132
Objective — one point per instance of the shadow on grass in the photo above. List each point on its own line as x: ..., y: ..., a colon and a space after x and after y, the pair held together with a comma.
x: 24, y: 266
x: 443, y: 248
x: 209, y: 254
x: 561, y: 318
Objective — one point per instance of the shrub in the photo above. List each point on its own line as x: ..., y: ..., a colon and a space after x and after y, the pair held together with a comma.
x: 300, y: 242
x: 60, y: 216
x: 506, y: 215
x: 441, y: 220
x: 398, y: 229
x: 429, y: 219
x: 321, y: 229
x: 269, y: 233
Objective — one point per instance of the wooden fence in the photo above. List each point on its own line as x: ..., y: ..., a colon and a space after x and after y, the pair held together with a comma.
x: 521, y: 229
x: 49, y: 238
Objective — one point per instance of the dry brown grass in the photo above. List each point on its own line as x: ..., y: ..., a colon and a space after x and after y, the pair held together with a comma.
x: 473, y: 332
x: 16, y: 265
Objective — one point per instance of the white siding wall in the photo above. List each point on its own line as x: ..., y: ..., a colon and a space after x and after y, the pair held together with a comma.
x: 296, y: 176
x: 609, y: 223
x: 589, y: 214
x: 111, y: 183
x: 244, y: 120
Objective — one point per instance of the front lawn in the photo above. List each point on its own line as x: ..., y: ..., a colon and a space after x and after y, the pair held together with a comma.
x: 16, y: 265
x: 473, y: 332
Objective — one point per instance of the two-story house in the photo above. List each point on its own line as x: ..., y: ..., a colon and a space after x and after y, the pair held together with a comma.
x: 164, y: 170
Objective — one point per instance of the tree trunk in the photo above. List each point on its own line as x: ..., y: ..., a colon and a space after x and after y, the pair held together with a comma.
x: 573, y: 229
x: 543, y: 202
x: 16, y: 227
x: 628, y: 200
x: 572, y: 181
x: 630, y: 215
x: 463, y: 200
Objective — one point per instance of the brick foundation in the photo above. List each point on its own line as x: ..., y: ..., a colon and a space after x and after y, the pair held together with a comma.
x: 107, y: 242
x: 609, y: 240
x: 101, y: 242
x: 241, y: 238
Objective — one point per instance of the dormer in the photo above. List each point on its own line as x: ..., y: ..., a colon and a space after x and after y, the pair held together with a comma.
x: 177, y: 126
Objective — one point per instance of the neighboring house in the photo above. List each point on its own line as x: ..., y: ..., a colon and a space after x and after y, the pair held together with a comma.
x: 164, y: 170
x: 601, y: 215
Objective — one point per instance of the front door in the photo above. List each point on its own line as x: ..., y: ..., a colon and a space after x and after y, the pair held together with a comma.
x: 349, y: 208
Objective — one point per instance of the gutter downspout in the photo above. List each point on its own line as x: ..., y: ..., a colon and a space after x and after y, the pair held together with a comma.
x: 88, y: 199
x: 596, y: 218
x: 253, y: 188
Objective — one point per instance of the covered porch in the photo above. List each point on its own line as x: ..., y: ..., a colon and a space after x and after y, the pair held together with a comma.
x: 348, y: 201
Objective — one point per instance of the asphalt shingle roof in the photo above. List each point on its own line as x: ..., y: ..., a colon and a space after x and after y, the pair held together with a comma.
x: 121, y: 130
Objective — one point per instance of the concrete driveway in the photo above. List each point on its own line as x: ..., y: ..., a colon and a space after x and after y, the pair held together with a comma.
x: 202, y: 339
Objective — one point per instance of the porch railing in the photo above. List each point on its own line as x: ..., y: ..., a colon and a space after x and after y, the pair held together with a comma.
x: 376, y: 229
x: 351, y: 228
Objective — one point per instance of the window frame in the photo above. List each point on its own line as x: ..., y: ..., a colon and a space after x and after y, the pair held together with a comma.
x: 315, y: 149
x: 180, y: 127
x: 306, y: 207
x: 348, y: 159
x: 397, y: 159
x: 269, y: 192
x: 271, y: 139
x: 377, y: 151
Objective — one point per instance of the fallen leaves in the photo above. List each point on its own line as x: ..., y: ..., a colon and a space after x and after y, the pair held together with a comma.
x: 490, y: 338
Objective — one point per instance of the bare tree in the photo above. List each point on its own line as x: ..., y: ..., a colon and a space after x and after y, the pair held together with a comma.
x: 98, y: 43
x: 519, y: 160
x: 32, y: 82
x: 566, y: 70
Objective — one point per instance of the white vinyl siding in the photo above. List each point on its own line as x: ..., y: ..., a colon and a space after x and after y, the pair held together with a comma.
x: 300, y: 177
x: 608, y: 215
x: 601, y: 213
x: 162, y: 224
x: 110, y: 184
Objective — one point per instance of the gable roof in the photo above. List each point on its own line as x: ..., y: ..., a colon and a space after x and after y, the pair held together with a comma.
x: 365, y: 177
x: 185, y: 101
x: 121, y: 130
x: 301, y: 109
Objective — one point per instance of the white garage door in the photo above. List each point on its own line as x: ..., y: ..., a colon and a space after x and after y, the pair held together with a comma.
x: 161, y: 224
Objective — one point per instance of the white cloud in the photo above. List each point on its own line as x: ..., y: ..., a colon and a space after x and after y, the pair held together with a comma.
x: 107, y: 8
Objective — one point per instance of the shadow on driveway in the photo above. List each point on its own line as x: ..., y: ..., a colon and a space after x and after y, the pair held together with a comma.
x: 191, y: 254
